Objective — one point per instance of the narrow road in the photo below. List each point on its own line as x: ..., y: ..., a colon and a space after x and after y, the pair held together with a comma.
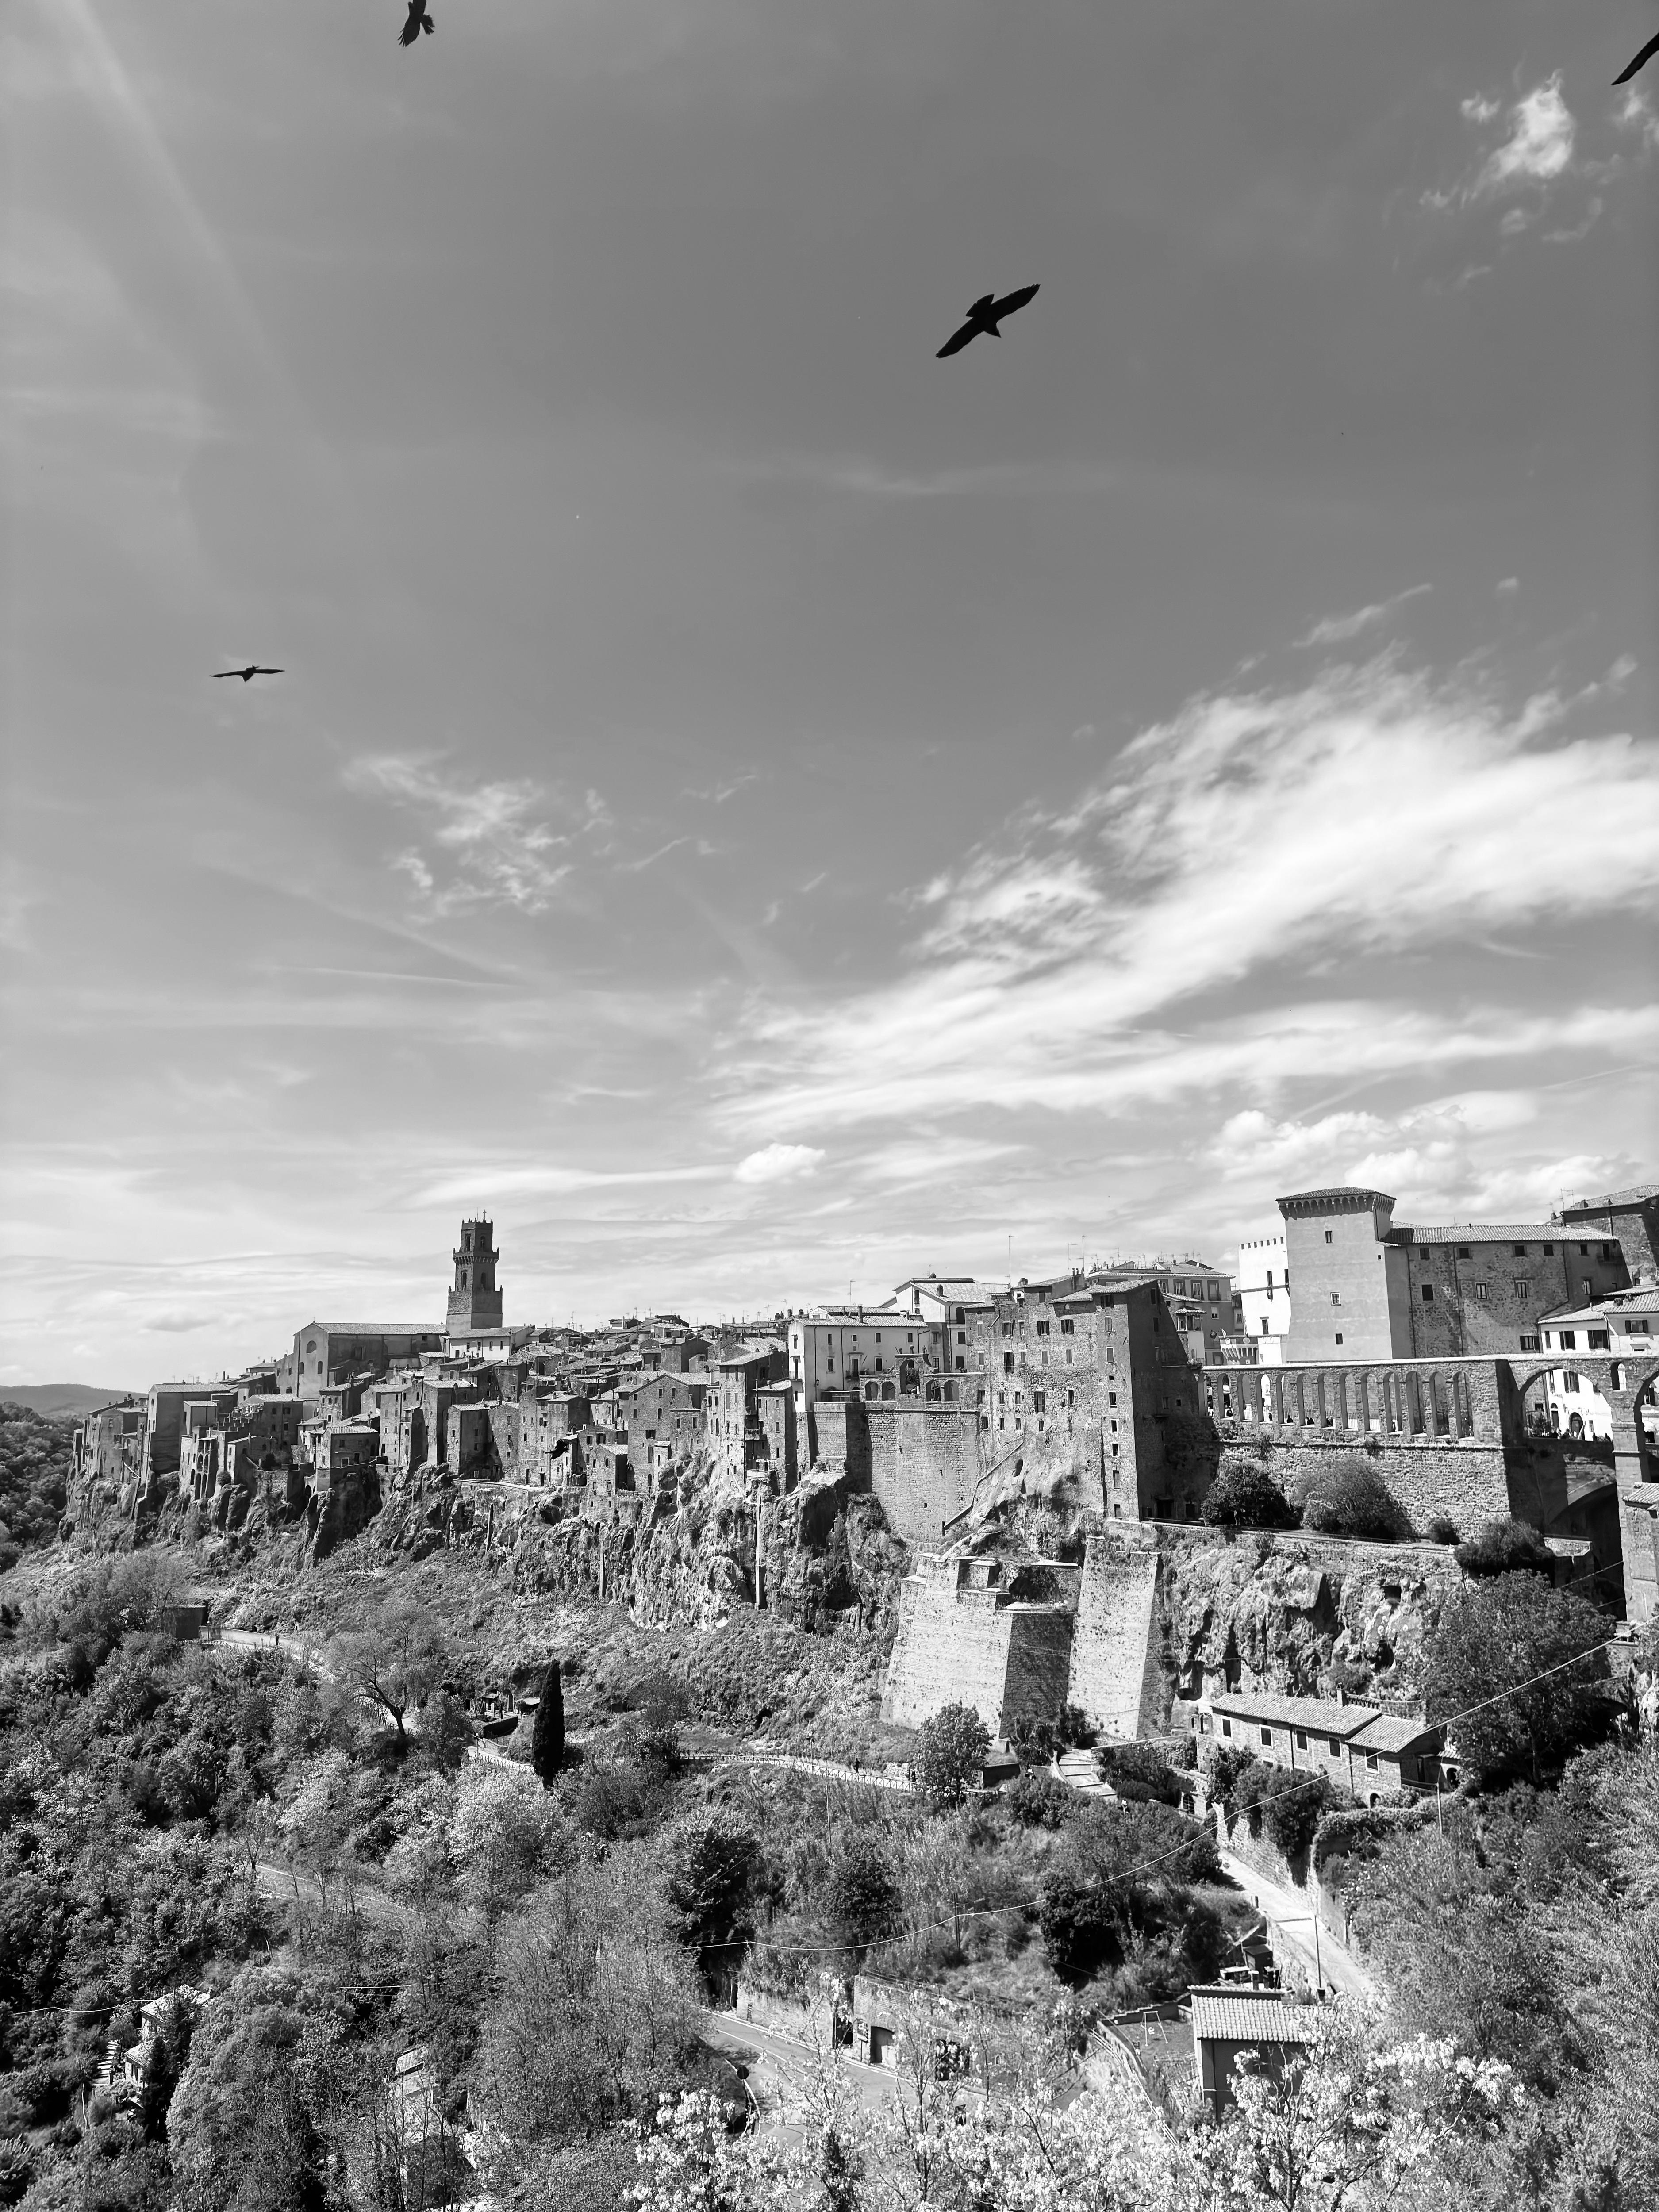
x: 782, y: 2071
x: 1291, y: 1916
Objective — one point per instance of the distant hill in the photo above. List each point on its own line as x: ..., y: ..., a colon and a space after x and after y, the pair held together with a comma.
x: 57, y: 1401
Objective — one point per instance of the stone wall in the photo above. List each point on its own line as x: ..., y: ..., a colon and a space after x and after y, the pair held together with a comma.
x: 1639, y: 1510
x: 1115, y: 1677
x: 964, y: 1639
x: 1469, y: 1482
x: 926, y: 1465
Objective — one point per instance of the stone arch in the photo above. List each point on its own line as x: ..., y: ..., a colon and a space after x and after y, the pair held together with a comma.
x: 872, y: 1392
x: 932, y: 1393
x: 907, y: 1375
x: 887, y: 1390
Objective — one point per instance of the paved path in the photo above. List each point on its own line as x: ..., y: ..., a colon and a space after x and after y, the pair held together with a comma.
x: 1290, y: 1915
x: 782, y: 2069
x: 1079, y: 1770
x: 759, y: 1753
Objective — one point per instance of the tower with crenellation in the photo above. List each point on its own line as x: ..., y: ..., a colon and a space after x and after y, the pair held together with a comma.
x: 475, y: 1303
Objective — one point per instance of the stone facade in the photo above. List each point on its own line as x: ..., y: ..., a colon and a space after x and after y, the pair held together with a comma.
x: 984, y: 1633
x: 474, y: 1300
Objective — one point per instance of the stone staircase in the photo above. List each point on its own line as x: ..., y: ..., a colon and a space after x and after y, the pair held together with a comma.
x: 1079, y: 1770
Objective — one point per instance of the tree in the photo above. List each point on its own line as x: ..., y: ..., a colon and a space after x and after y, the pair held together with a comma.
x: 1499, y: 1667
x: 396, y: 1662
x: 951, y: 1751
x: 710, y: 1864
x: 1349, y: 1498
x: 862, y: 1899
x: 1245, y: 1496
x: 547, y: 1737
x: 505, y: 1836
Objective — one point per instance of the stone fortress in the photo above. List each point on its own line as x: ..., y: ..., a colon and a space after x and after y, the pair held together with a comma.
x: 1088, y: 1410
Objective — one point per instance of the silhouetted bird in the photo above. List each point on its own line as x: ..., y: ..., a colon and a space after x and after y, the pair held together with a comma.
x: 246, y: 674
x: 418, y: 20
x: 984, y: 316
x: 1641, y: 61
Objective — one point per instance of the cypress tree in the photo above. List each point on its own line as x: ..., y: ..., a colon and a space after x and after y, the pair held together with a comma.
x: 547, y: 1737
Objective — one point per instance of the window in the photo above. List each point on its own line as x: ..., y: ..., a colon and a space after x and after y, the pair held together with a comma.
x: 1483, y: 1289
x: 961, y: 1363
x: 1336, y: 1297
x: 1520, y: 1251
x: 1609, y: 1251
x: 1328, y: 1239
x: 1335, y: 1748
x: 1070, y: 1397
x: 1008, y: 1329
x: 1529, y: 1344
x: 1428, y: 1294
x: 1226, y: 1728
x: 1549, y: 1251
x: 1598, y: 1339
x: 1068, y: 1329
x: 1111, y: 1397
x: 1301, y: 1739
x: 962, y: 1336
x: 1566, y: 1341
x: 1267, y: 1735
x: 1520, y: 1285
x: 1339, y: 1336
x: 1042, y: 1328
x: 1569, y: 1382
x: 1583, y: 1251
x: 1370, y: 1761
x: 1007, y: 1362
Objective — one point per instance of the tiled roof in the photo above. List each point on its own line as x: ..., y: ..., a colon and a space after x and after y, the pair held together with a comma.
x: 1391, y: 1734
x: 375, y: 1327
x: 1638, y: 1194
x: 1336, y: 1190
x: 1251, y: 2020
x: 1323, y: 1714
x: 1479, y: 1232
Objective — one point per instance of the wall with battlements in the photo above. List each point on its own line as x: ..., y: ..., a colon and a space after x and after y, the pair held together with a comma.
x: 969, y: 1634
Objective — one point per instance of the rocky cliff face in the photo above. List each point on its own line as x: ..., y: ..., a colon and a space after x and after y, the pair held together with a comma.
x: 1281, y: 1612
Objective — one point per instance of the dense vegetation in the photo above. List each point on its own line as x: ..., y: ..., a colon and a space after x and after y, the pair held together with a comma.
x: 34, y: 1460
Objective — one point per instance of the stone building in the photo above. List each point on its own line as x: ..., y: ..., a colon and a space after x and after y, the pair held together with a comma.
x: 1264, y: 1296
x: 1619, y: 1327
x: 1366, y: 1750
x: 1630, y: 1218
x: 1364, y: 1286
x: 667, y: 1408
x: 732, y: 1411
x: 326, y: 1352
x: 475, y: 1299
x: 776, y: 1406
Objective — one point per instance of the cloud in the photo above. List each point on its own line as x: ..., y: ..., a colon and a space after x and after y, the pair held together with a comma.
x: 487, y: 844
x: 1540, y: 145
x: 492, y: 1182
x: 1204, y: 916
x: 1635, y: 113
x: 779, y: 1164
x: 1507, y: 584
x: 1336, y: 630
x: 181, y: 1324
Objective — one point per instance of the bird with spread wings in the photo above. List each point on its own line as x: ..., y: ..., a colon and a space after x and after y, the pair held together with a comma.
x: 1641, y: 61
x: 246, y: 674
x: 984, y: 316
x: 418, y: 20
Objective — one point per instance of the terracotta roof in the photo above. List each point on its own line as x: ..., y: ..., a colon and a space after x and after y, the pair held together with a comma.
x: 1321, y: 1715
x: 375, y: 1327
x: 1391, y: 1734
x: 1638, y: 1194
x: 1236, y: 2019
x: 1480, y: 1232
x: 1336, y: 1190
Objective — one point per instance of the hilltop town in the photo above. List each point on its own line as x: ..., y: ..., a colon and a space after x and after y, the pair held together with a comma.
x: 1055, y: 1682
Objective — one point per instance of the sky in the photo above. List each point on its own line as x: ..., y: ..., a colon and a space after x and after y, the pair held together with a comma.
x: 760, y: 810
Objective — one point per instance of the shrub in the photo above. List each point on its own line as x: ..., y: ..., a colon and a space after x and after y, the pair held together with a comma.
x: 1289, y: 1805
x: 1223, y: 1765
x: 1245, y: 1496
x: 950, y: 1750
x: 1347, y: 1676
x: 1139, y: 1774
x: 862, y: 1902
x: 1351, y: 1498
x: 1036, y: 1799
x: 1503, y: 1547
x: 1442, y: 1530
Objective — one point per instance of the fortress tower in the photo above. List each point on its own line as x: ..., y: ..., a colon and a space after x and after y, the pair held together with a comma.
x: 475, y: 1303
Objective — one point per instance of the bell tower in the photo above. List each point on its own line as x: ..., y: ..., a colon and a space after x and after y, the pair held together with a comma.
x: 474, y: 1302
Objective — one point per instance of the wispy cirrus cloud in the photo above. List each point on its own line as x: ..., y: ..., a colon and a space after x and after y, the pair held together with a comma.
x: 484, y: 843
x: 1138, y: 946
x: 1338, y: 629
x: 1540, y: 144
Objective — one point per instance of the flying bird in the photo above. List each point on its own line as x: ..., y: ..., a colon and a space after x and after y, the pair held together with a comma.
x: 418, y: 20
x: 984, y: 316
x: 246, y: 674
x: 1641, y: 61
